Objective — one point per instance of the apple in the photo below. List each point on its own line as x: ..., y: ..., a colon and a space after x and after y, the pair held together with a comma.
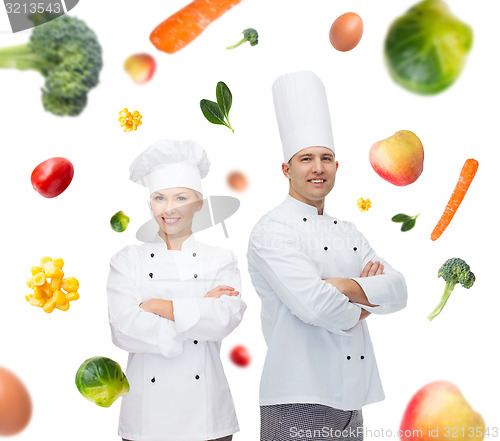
x: 140, y: 67
x: 439, y: 412
x: 240, y: 356
x: 398, y: 159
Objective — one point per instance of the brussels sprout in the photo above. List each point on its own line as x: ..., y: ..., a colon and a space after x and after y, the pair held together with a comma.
x: 101, y: 380
x: 119, y: 221
x: 426, y: 48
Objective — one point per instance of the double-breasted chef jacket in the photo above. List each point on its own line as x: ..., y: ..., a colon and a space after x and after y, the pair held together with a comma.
x: 178, y: 389
x: 318, y: 350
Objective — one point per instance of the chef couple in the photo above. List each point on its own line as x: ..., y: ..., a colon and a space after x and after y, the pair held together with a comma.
x: 172, y: 300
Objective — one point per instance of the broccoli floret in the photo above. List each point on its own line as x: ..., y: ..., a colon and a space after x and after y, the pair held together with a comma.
x: 453, y: 271
x: 250, y: 35
x: 67, y: 53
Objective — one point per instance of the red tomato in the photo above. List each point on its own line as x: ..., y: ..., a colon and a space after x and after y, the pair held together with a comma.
x: 51, y: 177
x: 240, y: 356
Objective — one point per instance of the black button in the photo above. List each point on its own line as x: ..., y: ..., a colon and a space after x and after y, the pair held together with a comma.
x: 355, y: 248
x: 362, y: 357
x: 153, y: 380
x: 335, y: 222
x: 195, y: 276
x: 151, y: 275
x: 348, y: 357
x: 326, y: 248
x: 305, y: 219
x: 197, y: 377
x: 152, y: 255
x: 195, y: 342
x: 194, y: 254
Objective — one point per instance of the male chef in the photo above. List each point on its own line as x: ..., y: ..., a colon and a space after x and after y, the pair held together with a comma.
x: 318, y: 280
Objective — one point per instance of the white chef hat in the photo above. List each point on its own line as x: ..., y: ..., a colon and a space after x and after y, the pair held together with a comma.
x: 168, y: 164
x: 302, y: 112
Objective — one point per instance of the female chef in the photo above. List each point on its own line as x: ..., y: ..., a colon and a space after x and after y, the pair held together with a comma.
x: 171, y: 302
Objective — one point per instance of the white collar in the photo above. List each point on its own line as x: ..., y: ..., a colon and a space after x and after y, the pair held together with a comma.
x: 189, y: 244
x: 301, y: 207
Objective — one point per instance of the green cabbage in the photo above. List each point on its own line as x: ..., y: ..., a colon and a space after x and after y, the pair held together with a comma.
x: 426, y: 48
x: 101, y: 380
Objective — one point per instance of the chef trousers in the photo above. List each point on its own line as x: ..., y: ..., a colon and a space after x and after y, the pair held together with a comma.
x: 309, y: 422
x: 226, y: 438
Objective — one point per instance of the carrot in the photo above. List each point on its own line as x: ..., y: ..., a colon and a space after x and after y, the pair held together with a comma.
x: 185, y: 25
x: 466, y: 176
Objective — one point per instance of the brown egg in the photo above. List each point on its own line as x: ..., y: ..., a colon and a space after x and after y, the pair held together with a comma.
x: 237, y: 181
x: 346, y: 31
x: 15, y: 403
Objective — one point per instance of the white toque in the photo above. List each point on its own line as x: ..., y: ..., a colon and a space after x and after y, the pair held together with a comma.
x: 302, y: 113
x: 169, y: 164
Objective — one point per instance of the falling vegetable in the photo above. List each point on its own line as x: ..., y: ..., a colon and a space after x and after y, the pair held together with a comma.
x: 119, y: 221
x: 426, y: 48
x: 466, y: 176
x: 249, y: 35
x: 408, y: 221
x: 218, y: 113
x: 52, y: 176
x: 364, y: 204
x: 67, y: 53
x: 453, y: 271
x: 140, y: 67
x: 181, y: 28
x: 129, y: 120
x: 101, y: 380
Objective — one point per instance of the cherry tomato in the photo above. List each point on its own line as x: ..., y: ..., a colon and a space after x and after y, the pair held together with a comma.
x: 51, y: 177
x: 240, y: 356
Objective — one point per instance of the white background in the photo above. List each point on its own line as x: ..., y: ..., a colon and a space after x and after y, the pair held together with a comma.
x: 45, y: 350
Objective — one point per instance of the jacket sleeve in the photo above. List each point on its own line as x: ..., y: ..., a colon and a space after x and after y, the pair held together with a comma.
x: 132, y: 328
x: 208, y: 318
x: 276, y: 253
x: 388, y: 290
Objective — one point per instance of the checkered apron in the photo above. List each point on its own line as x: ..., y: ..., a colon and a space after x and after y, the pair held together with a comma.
x: 309, y: 422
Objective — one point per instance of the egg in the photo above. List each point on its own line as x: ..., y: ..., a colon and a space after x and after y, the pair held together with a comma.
x: 346, y: 31
x: 237, y: 181
x: 15, y: 404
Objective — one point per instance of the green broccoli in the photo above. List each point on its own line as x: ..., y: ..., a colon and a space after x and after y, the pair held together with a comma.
x: 250, y: 35
x: 67, y: 53
x: 453, y: 271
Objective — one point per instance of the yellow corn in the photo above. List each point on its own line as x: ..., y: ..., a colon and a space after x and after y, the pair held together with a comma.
x: 58, y: 262
x: 64, y: 307
x: 29, y: 282
x: 47, y: 289
x: 51, y: 270
x: 59, y: 297
x: 70, y: 284
x: 72, y: 296
x: 129, y: 121
x: 44, y: 260
x: 55, y: 283
x: 49, y: 306
x: 35, y: 270
x: 37, y: 302
x: 39, y: 293
x: 28, y: 297
x: 39, y: 279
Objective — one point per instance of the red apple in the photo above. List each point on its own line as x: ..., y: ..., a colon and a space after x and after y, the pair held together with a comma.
x: 439, y: 412
x: 240, y: 356
x: 140, y: 67
x: 398, y: 159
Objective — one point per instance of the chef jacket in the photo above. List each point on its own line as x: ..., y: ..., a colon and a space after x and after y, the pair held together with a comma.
x: 178, y: 389
x: 318, y: 350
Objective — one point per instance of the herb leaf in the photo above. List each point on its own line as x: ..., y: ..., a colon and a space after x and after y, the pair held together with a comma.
x: 408, y: 225
x: 401, y: 217
x: 212, y: 112
x: 224, y: 98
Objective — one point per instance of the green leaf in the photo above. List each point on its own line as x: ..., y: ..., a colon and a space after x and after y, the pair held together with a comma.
x: 212, y: 112
x: 401, y: 217
x: 408, y: 225
x: 224, y: 98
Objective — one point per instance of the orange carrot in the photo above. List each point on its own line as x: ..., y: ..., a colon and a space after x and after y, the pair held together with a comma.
x: 185, y: 25
x: 466, y: 176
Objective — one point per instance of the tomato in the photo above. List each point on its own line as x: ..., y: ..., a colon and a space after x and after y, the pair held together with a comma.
x: 51, y: 177
x: 240, y: 356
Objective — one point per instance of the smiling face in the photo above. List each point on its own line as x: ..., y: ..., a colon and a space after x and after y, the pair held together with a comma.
x: 174, y: 209
x: 312, y: 175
